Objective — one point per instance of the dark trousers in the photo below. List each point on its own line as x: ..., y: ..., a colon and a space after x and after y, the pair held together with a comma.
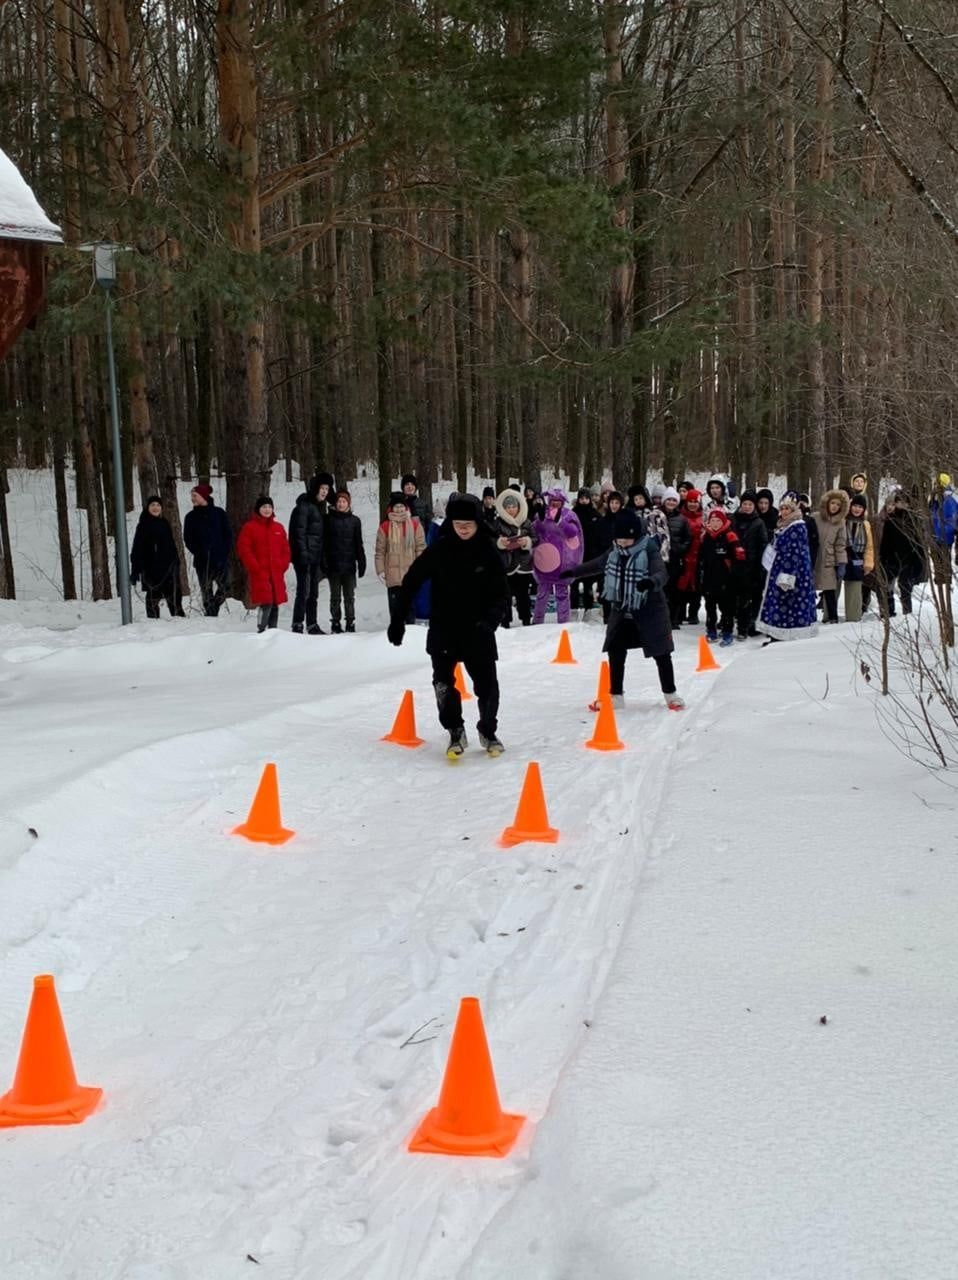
x: 722, y: 603
x: 342, y: 587
x: 482, y: 672
x: 584, y: 592
x: 519, y: 594
x: 906, y: 584
x: 692, y: 601
x: 267, y: 616
x: 617, y: 655
x: 213, y: 586
x: 168, y: 591
x: 830, y: 600
x: 676, y: 599
x: 747, y: 604
x: 308, y: 578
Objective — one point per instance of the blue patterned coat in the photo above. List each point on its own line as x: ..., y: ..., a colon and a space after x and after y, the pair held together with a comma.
x: 789, y: 614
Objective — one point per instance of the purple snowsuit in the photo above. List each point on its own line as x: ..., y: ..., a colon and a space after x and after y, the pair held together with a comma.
x: 560, y: 547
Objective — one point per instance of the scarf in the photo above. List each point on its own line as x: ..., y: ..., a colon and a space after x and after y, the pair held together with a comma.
x: 623, y: 569
x: 402, y: 537
x: 856, y: 538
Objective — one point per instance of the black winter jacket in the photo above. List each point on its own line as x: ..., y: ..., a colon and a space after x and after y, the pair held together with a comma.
x: 680, y: 539
x: 590, y: 520
x: 344, y: 552
x: 469, y: 591
x: 605, y: 532
x: 207, y: 534
x: 900, y: 549
x: 307, y: 525
x: 754, y: 538
x: 153, y: 556
x: 813, y: 538
x: 721, y: 562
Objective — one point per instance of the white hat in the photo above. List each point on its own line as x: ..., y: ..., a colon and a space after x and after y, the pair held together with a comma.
x: 670, y: 493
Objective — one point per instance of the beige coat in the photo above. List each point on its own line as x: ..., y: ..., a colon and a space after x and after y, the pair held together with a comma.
x: 832, y: 540
x: 394, y: 555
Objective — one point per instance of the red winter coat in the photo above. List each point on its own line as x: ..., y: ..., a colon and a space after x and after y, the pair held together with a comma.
x: 264, y: 550
x: 690, y: 572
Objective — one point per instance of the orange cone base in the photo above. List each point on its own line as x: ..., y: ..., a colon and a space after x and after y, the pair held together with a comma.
x: 433, y: 1140
x: 403, y: 742
x: 515, y: 835
x: 72, y: 1110
x: 592, y: 745
x: 279, y: 836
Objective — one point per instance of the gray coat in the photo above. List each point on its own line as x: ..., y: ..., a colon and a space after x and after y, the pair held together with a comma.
x: 832, y: 540
x: 651, y: 630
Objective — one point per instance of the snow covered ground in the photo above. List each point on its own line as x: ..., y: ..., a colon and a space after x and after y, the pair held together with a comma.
x: 269, y: 1025
x: 652, y: 985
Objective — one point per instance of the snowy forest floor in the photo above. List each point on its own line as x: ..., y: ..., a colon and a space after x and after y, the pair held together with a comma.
x: 652, y: 985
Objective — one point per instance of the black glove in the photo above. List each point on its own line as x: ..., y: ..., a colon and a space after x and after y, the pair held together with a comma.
x: 134, y: 579
x: 644, y: 584
x: 395, y: 631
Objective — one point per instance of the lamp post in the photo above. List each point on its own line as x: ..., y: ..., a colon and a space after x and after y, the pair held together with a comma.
x: 104, y: 273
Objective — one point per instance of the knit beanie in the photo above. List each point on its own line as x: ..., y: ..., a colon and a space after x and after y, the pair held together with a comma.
x: 397, y: 500
x: 488, y: 491
x: 204, y: 490
x: 858, y: 501
x: 628, y: 524
x: 264, y: 500
x: 408, y: 478
x: 154, y: 497
x: 748, y: 495
x: 344, y: 493
x: 584, y: 493
x: 670, y: 494
x: 693, y: 495
x: 658, y: 491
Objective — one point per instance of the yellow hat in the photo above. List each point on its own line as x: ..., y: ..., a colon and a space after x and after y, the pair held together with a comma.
x: 944, y: 479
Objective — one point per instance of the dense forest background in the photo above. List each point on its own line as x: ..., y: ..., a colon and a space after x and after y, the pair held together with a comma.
x: 512, y: 234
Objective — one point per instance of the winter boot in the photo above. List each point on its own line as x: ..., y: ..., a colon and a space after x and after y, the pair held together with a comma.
x: 350, y: 628
x: 674, y: 701
x: 262, y: 618
x: 457, y: 743
x: 297, y: 628
x: 491, y: 744
x: 727, y: 639
x: 315, y: 630
x: 336, y: 628
x: 711, y: 635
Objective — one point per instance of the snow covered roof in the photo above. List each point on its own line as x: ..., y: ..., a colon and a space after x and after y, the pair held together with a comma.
x: 21, y: 217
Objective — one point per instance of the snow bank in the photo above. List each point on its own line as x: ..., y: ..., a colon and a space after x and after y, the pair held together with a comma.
x: 21, y: 217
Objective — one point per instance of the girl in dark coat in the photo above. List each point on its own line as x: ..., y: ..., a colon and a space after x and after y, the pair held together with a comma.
x: 263, y: 547
x: 721, y: 570
x: 750, y: 529
x: 765, y: 505
x: 633, y: 582
x: 155, y: 562
x: 680, y: 540
x: 901, y: 553
x: 515, y: 541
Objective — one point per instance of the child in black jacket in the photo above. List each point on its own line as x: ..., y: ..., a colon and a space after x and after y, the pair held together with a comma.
x: 720, y: 570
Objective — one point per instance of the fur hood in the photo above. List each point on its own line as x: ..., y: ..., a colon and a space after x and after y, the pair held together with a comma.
x: 523, y: 514
x: 837, y: 495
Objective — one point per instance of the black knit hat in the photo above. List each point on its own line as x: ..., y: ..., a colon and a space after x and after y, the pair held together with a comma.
x: 628, y: 524
x: 488, y: 491
x: 859, y: 500
x: 397, y: 499
x: 584, y: 493
x: 154, y: 497
x: 263, y: 500
x: 408, y: 478
x: 748, y: 495
x: 462, y: 507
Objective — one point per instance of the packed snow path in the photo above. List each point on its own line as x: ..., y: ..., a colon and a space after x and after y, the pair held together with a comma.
x: 260, y: 1019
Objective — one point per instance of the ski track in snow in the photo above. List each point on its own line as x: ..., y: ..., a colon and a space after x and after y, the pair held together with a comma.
x: 245, y: 1008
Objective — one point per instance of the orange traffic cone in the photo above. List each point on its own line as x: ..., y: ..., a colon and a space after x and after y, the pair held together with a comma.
x: 605, y: 736
x: 564, y: 656
x: 264, y: 823
x: 45, y: 1089
x: 532, y: 820
x: 706, y: 657
x: 461, y: 684
x: 403, y: 732
x: 468, y: 1120
x: 605, y: 687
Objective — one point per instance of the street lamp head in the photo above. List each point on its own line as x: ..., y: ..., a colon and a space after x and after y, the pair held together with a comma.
x: 104, y: 261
